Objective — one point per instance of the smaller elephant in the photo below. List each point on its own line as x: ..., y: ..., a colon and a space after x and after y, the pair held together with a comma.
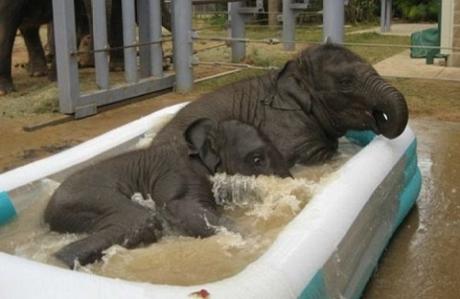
x: 98, y: 199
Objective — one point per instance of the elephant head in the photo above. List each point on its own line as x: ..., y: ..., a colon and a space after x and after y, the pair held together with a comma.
x: 234, y: 147
x: 342, y: 91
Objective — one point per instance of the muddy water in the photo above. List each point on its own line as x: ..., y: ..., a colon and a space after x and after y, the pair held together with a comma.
x: 423, y: 258
x: 261, y: 207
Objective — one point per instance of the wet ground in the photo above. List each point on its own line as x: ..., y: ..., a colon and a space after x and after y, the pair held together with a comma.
x: 423, y: 260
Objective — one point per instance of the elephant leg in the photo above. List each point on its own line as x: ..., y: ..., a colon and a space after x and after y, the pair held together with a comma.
x: 89, y: 249
x: 86, y: 58
x: 126, y: 228
x: 10, y: 18
x: 110, y: 218
x: 52, y: 73
x: 165, y: 16
x: 85, y: 34
x: 37, y: 61
x: 196, y: 219
x: 116, y: 37
x: 49, y: 42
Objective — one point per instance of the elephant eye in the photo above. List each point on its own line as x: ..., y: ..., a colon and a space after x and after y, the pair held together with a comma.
x: 346, y: 81
x: 258, y: 160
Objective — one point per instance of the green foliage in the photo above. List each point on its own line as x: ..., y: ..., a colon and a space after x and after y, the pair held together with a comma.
x: 417, y: 10
x: 362, y: 11
x: 219, y: 20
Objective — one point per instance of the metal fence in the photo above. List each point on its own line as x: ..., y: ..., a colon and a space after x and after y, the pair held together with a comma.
x: 144, y: 74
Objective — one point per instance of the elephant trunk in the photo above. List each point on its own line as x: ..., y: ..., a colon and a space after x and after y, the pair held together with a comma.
x: 390, y: 112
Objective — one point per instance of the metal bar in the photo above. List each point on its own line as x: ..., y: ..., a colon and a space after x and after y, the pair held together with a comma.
x: 129, y: 90
x: 333, y: 20
x: 144, y: 20
x: 151, y: 55
x: 100, y: 42
x: 239, y: 65
x: 388, y: 16
x: 200, y: 2
x: 108, y: 49
x: 288, y: 34
x: 156, y: 49
x: 237, y: 31
x: 237, y: 70
x: 182, y: 39
x: 275, y: 41
x: 383, y: 14
x: 67, y: 65
x: 129, y: 38
x: 269, y: 41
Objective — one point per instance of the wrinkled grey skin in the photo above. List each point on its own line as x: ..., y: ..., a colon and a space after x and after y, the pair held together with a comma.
x: 306, y: 106
x: 97, y: 199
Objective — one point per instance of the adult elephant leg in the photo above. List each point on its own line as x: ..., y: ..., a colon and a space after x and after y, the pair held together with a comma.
x: 84, y: 26
x: 52, y: 73
x: 116, y: 32
x: 10, y: 18
x: 165, y: 16
x: 116, y: 37
x: 37, y: 61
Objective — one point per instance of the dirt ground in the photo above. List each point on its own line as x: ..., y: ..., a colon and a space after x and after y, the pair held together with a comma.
x: 421, y: 260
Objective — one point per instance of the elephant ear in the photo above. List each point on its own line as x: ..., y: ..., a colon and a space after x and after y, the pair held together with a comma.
x: 291, y: 95
x: 201, y: 140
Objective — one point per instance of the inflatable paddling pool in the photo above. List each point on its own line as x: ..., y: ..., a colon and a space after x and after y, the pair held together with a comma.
x: 328, y: 250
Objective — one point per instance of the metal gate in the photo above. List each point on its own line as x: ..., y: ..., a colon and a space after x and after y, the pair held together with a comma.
x: 143, y: 75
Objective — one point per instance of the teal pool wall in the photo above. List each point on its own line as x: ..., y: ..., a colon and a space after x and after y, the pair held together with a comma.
x: 318, y: 287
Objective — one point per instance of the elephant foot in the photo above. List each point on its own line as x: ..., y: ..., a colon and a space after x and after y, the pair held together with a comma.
x: 6, y: 87
x: 117, y: 62
x: 49, y: 58
x: 117, y: 66
x: 86, y: 59
x: 52, y: 75
x: 37, y: 70
x: 167, y: 63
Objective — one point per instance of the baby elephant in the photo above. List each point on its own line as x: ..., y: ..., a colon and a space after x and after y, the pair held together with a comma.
x: 98, y: 199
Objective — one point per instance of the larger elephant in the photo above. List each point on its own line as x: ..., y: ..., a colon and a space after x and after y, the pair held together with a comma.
x: 97, y: 199
x: 28, y: 16
x: 307, y: 105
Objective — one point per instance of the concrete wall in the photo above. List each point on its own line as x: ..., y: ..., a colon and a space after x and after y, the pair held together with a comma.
x: 454, y: 60
x: 450, y: 30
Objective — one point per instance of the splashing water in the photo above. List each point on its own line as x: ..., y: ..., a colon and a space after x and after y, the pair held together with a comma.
x: 262, y: 196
